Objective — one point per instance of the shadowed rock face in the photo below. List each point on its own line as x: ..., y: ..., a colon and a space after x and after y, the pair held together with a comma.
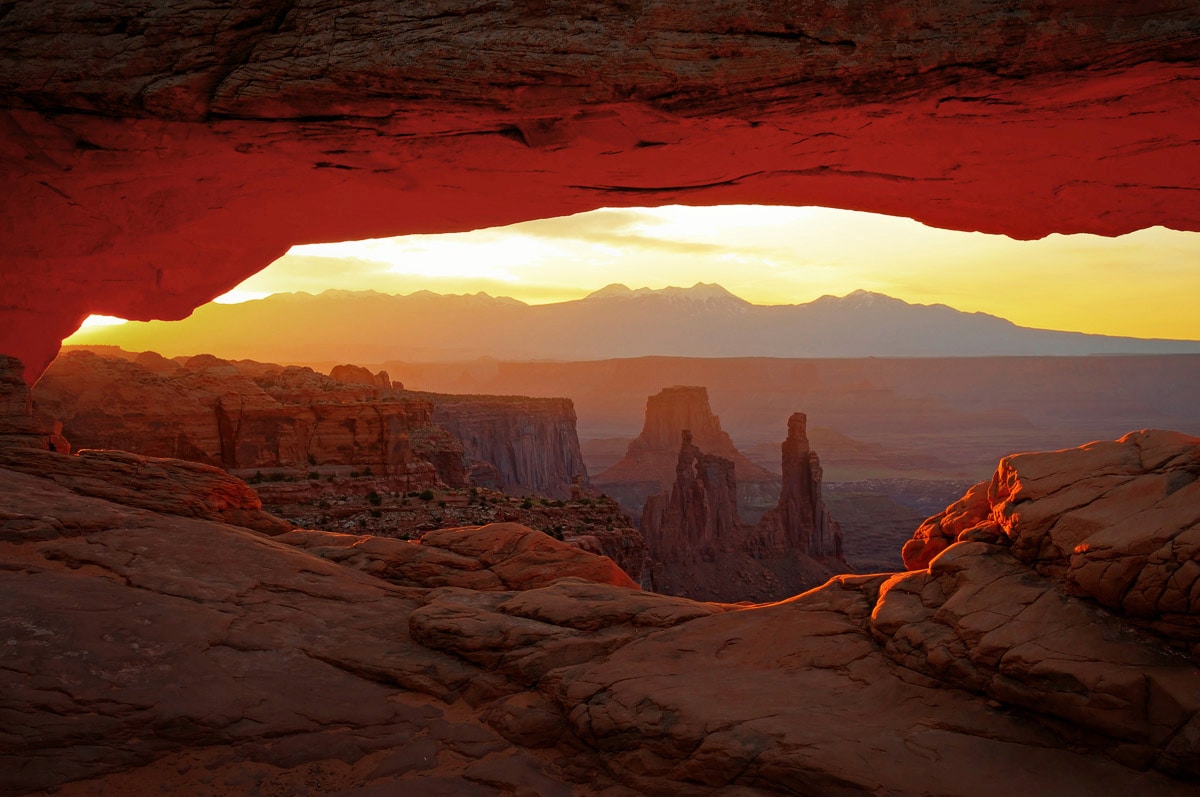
x: 702, y: 549
x: 160, y: 652
x: 154, y: 156
x: 246, y: 415
x: 18, y: 425
x: 517, y: 444
x: 651, y: 463
x: 801, y: 522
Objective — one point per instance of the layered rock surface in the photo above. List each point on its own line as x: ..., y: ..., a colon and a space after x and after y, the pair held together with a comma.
x: 649, y: 464
x: 1117, y: 521
x: 518, y: 444
x: 241, y: 415
x: 18, y: 425
x: 154, y: 157
x: 157, y: 651
x: 245, y: 416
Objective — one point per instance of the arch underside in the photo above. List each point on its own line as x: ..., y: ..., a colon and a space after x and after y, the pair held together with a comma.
x: 154, y: 161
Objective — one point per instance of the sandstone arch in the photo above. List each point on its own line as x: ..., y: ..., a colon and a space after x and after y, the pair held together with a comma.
x: 155, y: 154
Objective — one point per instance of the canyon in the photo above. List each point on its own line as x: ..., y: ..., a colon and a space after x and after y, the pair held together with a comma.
x: 915, y: 418
x: 246, y: 417
x: 162, y: 633
x: 1050, y: 645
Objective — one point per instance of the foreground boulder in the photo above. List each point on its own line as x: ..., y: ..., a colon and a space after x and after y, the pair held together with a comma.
x: 499, y: 556
x: 1118, y: 522
x: 146, y: 651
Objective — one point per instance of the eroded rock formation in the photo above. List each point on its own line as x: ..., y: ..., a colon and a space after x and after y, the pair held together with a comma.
x: 700, y: 548
x: 18, y: 425
x: 162, y: 652
x: 1117, y: 521
x: 649, y: 464
x: 801, y: 521
x: 357, y: 375
x: 515, y: 443
x: 245, y: 416
x: 154, y: 156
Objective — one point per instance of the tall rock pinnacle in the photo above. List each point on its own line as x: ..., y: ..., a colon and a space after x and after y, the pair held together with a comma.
x: 701, y: 549
x: 801, y: 518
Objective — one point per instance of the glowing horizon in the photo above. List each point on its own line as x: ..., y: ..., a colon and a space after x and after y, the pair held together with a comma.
x: 1136, y: 285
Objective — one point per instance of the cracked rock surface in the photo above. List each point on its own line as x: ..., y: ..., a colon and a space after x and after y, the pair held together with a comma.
x: 144, y: 650
x: 1117, y: 521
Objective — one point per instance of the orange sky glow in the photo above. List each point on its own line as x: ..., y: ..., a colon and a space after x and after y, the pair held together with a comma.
x: 1143, y: 284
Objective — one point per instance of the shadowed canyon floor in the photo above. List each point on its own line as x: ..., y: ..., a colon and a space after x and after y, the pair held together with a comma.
x: 146, y: 649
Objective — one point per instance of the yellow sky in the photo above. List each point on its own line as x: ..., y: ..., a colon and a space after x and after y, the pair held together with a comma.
x: 1144, y: 284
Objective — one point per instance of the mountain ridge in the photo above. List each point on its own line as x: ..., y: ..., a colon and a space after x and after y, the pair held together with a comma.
x: 705, y: 320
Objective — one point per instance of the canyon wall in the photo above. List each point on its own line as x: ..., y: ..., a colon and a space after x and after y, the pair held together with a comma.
x: 18, y: 426
x: 701, y: 549
x: 649, y: 464
x: 516, y: 444
x: 238, y: 416
x: 245, y: 416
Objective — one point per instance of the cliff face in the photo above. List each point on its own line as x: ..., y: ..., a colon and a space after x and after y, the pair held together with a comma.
x: 246, y: 416
x: 18, y: 426
x: 701, y: 549
x: 516, y: 444
x: 699, y: 517
x: 133, y: 133
x: 1117, y: 522
x: 649, y: 464
x: 238, y: 416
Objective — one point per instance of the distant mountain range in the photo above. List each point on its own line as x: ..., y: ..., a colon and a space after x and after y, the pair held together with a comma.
x: 704, y: 320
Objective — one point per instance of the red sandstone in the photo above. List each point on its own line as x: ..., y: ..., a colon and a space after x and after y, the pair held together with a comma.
x: 152, y: 160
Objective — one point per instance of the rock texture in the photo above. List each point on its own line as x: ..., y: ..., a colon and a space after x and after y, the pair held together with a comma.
x: 499, y: 556
x: 365, y: 505
x: 246, y: 416
x: 147, y: 652
x: 801, y: 521
x: 700, y: 548
x: 649, y: 465
x: 167, y: 486
x: 153, y: 157
x: 18, y: 426
x: 1117, y: 521
x: 243, y: 416
x: 357, y: 375
x: 516, y: 444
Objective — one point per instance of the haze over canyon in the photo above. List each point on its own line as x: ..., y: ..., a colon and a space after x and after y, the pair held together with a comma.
x: 702, y: 321
x: 648, y: 542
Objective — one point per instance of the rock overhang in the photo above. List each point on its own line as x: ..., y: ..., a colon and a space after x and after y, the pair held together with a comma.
x: 155, y: 156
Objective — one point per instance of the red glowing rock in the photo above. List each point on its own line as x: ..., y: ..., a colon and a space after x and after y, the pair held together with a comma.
x: 153, y: 158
